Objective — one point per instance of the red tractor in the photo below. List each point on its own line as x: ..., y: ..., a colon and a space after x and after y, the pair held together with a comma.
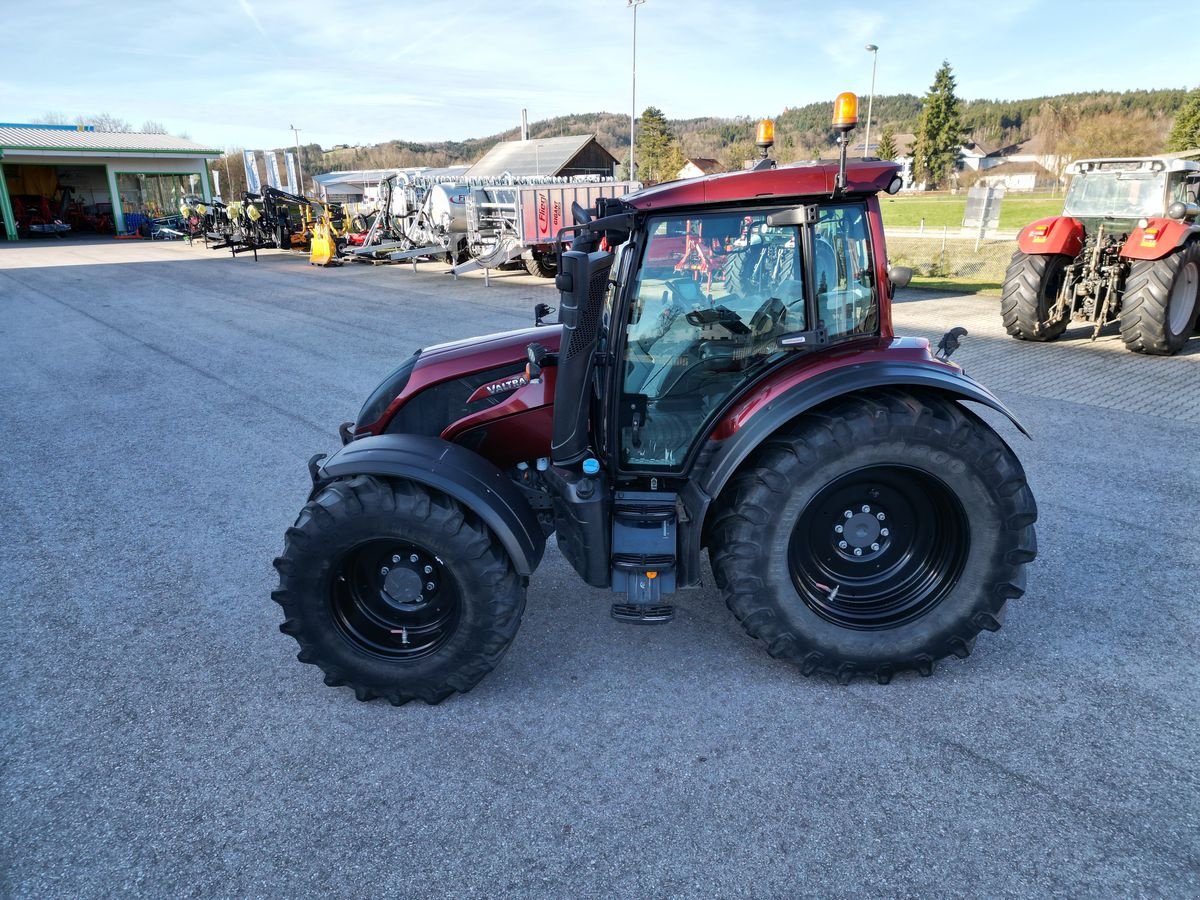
x: 1126, y: 249
x: 858, y: 517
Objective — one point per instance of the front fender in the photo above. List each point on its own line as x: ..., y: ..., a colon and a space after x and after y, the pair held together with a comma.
x: 1160, y: 237
x: 1057, y: 234
x: 709, y: 480
x: 456, y: 472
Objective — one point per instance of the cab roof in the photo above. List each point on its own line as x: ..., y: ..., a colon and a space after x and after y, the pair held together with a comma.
x: 814, y: 179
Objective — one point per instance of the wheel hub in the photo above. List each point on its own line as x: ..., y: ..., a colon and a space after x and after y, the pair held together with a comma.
x: 402, y: 589
x: 878, y: 546
x: 395, y: 599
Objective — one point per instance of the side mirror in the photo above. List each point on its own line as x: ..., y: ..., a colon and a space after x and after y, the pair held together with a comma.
x: 1180, y: 211
x: 900, y: 276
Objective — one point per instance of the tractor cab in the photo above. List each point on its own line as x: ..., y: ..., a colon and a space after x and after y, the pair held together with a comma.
x: 1119, y: 192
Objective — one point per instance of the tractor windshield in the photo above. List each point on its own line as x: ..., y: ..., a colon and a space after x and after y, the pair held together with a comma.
x: 1116, y: 195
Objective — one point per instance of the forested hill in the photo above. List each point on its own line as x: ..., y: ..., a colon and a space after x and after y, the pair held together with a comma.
x: 801, y: 132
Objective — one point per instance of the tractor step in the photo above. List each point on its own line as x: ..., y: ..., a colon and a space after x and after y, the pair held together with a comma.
x: 642, y: 615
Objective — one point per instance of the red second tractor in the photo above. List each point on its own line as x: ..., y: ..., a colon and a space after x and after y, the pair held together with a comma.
x: 859, y: 518
x: 1126, y: 249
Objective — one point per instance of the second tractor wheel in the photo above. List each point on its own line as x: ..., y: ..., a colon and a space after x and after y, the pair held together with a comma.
x: 1161, y: 301
x: 540, y: 265
x: 876, y: 536
x: 1031, y: 286
x: 396, y: 591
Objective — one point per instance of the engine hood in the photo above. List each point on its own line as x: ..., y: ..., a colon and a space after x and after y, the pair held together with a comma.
x: 495, y: 347
x: 444, y: 377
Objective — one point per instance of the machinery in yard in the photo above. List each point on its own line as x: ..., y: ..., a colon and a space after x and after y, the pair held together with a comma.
x: 858, y: 517
x: 480, y: 223
x: 1126, y: 249
x: 507, y: 220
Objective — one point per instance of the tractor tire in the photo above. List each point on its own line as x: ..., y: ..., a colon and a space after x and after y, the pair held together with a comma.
x: 396, y: 591
x: 539, y: 265
x: 1161, y: 301
x: 879, y: 534
x: 1031, y: 286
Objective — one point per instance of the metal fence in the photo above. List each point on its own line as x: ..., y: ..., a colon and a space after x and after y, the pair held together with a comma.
x: 952, y: 253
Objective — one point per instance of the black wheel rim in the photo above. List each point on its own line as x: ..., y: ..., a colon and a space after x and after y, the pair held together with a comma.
x: 879, y: 547
x: 395, y: 599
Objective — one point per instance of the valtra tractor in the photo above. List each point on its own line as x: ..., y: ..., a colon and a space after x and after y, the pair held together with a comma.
x: 858, y: 517
x: 1126, y: 249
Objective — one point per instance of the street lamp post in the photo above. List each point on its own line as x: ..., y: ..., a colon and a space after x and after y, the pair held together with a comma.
x: 300, y: 168
x: 874, y: 51
x: 633, y: 98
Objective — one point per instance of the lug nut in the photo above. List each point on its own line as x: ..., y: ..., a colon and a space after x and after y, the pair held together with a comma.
x: 866, y: 509
x: 874, y: 546
x: 838, y: 528
x: 413, y: 558
x: 847, y: 514
x: 884, y: 532
x: 429, y: 585
x: 842, y: 545
x: 395, y: 559
x: 858, y: 551
x: 880, y: 516
x: 429, y: 570
x: 384, y: 570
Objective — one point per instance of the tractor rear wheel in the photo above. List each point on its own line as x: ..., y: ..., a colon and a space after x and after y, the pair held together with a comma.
x: 1161, y: 300
x: 1031, y: 287
x: 875, y: 536
x: 396, y: 591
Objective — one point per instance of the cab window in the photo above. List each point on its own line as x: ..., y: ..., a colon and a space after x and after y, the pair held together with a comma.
x: 845, y: 282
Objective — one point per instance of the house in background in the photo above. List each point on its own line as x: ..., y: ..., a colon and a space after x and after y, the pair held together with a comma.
x: 1018, y: 176
x: 698, y: 166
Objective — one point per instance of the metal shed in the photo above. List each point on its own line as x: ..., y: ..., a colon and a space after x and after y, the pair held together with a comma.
x: 118, y: 177
x: 558, y: 156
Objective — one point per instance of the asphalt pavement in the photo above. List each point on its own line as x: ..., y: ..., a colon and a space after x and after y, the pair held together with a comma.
x: 158, y: 737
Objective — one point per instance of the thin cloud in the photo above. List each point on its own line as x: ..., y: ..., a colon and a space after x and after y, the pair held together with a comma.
x: 250, y: 14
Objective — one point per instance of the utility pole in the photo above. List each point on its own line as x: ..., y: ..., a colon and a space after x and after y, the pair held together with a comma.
x: 633, y: 101
x: 299, y: 167
x: 874, y: 51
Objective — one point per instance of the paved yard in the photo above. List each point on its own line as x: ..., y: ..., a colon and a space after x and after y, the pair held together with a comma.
x: 160, y: 739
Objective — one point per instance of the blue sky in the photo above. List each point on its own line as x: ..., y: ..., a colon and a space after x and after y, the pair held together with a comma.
x: 239, y: 72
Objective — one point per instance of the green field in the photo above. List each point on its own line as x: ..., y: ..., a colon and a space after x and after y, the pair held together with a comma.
x: 946, y: 210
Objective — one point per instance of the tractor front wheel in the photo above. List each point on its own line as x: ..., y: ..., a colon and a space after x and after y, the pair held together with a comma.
x: 878, y: 535
x: 396, y: 591
x: 1031, y: 287
x: 1158, y: 310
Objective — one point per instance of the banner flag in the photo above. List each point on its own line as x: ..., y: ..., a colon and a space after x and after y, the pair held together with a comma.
x: 272, y: 168
x: 293, y: 186
x: 253, y: 184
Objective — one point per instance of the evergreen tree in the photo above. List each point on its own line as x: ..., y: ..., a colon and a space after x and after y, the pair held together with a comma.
x: 887, y: 143
x: 939, y: 134
x: 1185, y: 134
x: 658, y: 155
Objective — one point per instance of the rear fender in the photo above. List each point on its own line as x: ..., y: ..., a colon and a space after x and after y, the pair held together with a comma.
x: 456, y: 472
x: 1159, y: 238
x: 723, y: 463
x: 1057, y: 234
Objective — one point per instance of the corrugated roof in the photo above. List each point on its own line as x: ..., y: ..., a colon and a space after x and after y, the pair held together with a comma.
x: 34, y: 137
x: 540, y: 156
